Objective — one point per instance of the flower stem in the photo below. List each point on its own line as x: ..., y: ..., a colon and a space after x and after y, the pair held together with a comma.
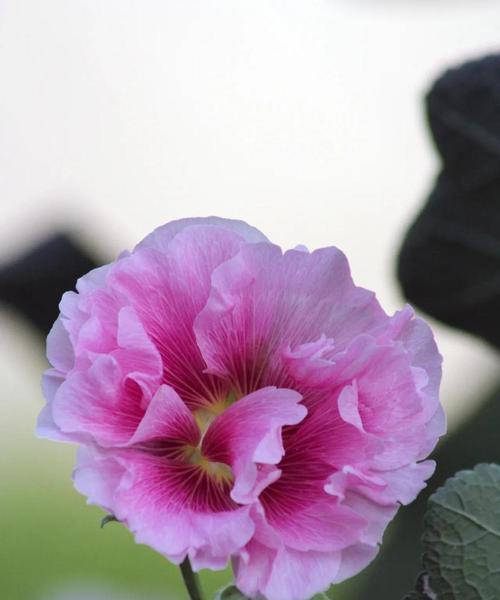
x: 190, y: 580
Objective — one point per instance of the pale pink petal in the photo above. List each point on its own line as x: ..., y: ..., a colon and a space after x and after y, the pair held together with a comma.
x: 285, y: 573
x: 107, y: 399
x: 405, y: 484
x: 419, y: 343
x: 310, y: 362
x: 354, y: 559
x: 98, y: 476
x: 432, y: 431
x: 59, y: 348
x: 377, y: 516
x: 98, y: 330
x: 46, y: 427
x: 385, y: 383
x: 253, y: 567
x: 380, y: 392
x: 94, y: 403
x: 93, y: 280
x: 349, y: 407
x: 349, y: 478
x: 161, y: 237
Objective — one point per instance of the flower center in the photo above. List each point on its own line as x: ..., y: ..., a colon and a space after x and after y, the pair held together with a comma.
x: 220, y: 472
x: 193, y: 455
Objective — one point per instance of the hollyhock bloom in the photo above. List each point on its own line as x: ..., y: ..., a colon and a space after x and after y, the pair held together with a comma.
x: 232, y: 401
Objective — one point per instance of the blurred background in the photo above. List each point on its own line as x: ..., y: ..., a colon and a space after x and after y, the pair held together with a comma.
x: 302, y: 117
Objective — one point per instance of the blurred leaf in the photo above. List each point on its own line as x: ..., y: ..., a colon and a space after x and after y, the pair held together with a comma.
x: 462, y: 538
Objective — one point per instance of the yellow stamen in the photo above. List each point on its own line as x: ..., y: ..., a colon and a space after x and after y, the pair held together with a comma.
x: 219, y: 471
x: 205, y: 415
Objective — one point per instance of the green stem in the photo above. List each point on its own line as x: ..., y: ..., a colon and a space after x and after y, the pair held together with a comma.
x: 190, y: 580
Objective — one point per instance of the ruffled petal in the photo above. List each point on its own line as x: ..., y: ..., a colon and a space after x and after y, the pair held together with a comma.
x: 354, y: 559
x: 406, y: 483
x: 263, y: 301
x: 161, y: 237
x: 98, y: 476
x: 325, y: 526
x: 46, y: 427
x: 167, y: 289
x: 88, y: 404
x: 285, y: 574
x: 178, y: 510
x: 59, y: 348
x: 248, y: 434
x: 167, y: 419
x: 381, y: 389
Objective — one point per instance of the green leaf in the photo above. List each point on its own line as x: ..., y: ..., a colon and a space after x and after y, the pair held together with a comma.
x: 108, y: 519
x: 230, y: 592
x: 462, y: 538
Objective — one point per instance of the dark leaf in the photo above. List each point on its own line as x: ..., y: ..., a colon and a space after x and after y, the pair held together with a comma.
x: 108, y: 519
x: 231, y: 592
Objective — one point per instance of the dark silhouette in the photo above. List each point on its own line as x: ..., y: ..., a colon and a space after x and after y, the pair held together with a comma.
x: 449, y: 267
x: 34, y: 283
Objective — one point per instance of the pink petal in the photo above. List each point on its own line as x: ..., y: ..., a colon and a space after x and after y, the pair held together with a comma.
x: 248, y: 433
x: 380, y: 392
x: 161, y: 237
x: 98, y: 476
x: 285, y: 574
x: 167, y: 290
x: 93, y: 280
x: 59, y: 348
x: 405, y: 484
x: 92, y: 403
x: 367, y: 483
x: 136, y: 355
x: 166, y: 508
x: 167, y: 418
x: 377, y: 516
x: 354, y: 560
x: 325, y: 526
x: 135, y: 488
x: 264, y: 301
x: 420, y: 345
x: 348, y: 406
x: 46, y: 427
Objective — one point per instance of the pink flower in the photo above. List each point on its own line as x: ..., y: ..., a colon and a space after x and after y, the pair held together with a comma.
x: 234, y: 401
